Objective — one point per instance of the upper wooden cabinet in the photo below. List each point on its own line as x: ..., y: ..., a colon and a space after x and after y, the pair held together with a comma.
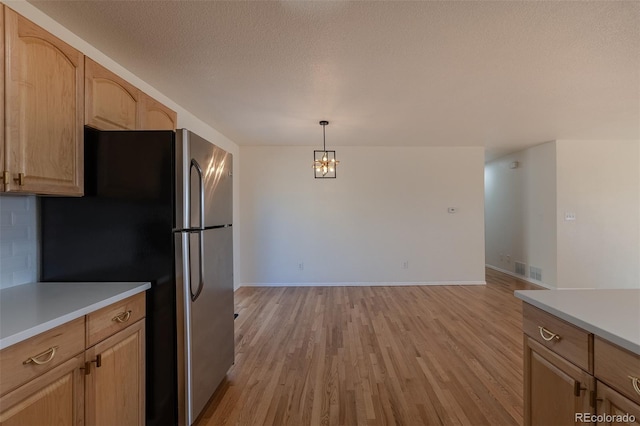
x: 113, y: 104
x: 156, y: 116
x: 44, y: 89
x: 2, y: 145
x: 110, y: 102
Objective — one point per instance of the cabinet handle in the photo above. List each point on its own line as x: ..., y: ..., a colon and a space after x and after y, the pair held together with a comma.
x: 547, y: 335
x: 635, y: 382
x: 87, y: 365
x: 98, y: 361
x: 49, y: 354
x: 577, y: 388
x: 123, y: 317
x: 20, y: 179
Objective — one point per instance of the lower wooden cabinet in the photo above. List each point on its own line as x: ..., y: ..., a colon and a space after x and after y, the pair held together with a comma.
x: 115, y: 390
x: 55, y: 398
x: 615, y: 409
x: 102, y: 385
x: 572, y: 377
x: 555, y: 389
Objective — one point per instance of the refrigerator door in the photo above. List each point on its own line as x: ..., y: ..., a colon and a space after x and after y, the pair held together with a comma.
x: 206, y: 342
x: 200, y: 162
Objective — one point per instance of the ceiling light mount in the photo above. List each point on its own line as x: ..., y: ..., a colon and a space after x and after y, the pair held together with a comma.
x: 324, y: 162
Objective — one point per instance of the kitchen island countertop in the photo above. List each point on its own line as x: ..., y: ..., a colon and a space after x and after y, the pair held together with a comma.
x: 613, y: 315
x: 30, y: 309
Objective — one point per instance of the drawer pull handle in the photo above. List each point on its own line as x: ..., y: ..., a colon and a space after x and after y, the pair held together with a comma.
x: 547, y: 335
x: 50, y: 353
x: 123, y: 317
x: 635, y: 382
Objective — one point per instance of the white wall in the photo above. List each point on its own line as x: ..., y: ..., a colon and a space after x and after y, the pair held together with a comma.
x: 598, y: 181
x: 520, y: 212
x: 185, y: 118
x: 386, y: 207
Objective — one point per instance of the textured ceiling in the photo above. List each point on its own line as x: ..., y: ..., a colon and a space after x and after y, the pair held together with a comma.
x: 504, y: 75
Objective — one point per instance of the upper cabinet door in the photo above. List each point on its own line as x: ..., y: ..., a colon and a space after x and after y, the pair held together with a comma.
x: 156, y: 116
x: 3, y: 166
x: 44, y: 89
x: 110, y: 102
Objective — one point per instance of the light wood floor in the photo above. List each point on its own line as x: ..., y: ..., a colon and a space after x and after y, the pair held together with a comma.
x: 375, y: 356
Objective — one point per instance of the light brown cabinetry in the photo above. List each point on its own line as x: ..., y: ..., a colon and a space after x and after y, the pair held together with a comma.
x: 622, y: 411
x: 30, y: 358
x: 573, y: 377
x: 156, y: 116
x: 558, y: 362
x: 3, y: 166
x: 110, y: 102
x: 54, y: 378
x: 115, y: 392
x: 115, y: 389
x: 618, y: 373
x: 44, y: 103
x: 52, y: 398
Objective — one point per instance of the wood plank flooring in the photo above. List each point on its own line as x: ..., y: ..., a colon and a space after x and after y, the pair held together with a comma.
x: 432, y: 355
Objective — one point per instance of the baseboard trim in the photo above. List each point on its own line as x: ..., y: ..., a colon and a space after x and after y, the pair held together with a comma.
x: 520, y: 277
x: 364, y: 284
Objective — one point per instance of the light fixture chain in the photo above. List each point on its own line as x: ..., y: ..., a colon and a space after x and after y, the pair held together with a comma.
x: 324, y: 138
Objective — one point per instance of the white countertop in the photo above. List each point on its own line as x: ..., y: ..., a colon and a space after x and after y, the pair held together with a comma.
x: 614, y: 315
x: 30, y: 309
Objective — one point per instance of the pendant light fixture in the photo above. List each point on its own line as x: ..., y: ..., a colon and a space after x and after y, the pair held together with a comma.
x: 324, y: 162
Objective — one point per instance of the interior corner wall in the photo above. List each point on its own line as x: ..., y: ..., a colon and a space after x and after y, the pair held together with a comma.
x: 599, y: 182
x: 520, y: 212
x: 383, y: 220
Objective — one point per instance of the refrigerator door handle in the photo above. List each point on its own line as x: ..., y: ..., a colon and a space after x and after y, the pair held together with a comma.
x: 194, y: 164
x: 194, y: 296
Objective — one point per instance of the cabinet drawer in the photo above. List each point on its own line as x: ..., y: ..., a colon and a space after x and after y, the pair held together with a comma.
x: 617, y: 367
x: 113, y: 318
x: 23, y: 361
x: 572, y: 343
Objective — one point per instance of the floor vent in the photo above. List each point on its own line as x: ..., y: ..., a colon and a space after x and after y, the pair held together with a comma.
x: 521, y: 268
x: 535, y: 273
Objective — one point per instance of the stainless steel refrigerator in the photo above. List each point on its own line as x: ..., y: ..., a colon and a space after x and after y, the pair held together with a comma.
x: 158, y: 208
x: 204, y: 271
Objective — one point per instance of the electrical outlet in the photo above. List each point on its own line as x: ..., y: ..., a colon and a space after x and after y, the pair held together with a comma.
x: 301, y: 266
x: 405, y: 264
x: 569, y: 216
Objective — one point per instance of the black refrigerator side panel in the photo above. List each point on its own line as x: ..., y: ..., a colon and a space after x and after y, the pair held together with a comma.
x: 121, y: 230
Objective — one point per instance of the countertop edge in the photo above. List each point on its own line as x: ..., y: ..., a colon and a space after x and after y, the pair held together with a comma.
x: 604, y: 334
x: 46, y: 326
